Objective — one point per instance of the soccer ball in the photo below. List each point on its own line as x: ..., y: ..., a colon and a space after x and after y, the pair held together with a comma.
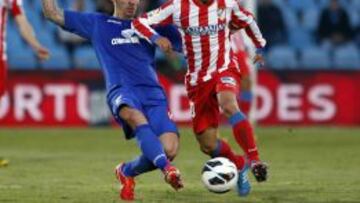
x: 219, y: 175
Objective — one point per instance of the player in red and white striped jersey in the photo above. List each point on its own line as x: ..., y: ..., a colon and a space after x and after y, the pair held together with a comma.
x: 15, y: 8
x: 242, y: 61
x: 212, y: 78
x: 26, y: 31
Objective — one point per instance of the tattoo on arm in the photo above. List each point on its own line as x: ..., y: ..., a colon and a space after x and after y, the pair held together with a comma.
x: 52, y: 12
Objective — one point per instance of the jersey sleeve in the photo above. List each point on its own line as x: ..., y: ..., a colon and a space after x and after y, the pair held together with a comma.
x: 172, y: 33
x: 78, y: 23
x: 16, y: 7
x: 162, y: 15
x: 242, y: 18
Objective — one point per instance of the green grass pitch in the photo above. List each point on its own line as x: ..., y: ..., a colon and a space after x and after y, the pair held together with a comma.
x: 307, y: 165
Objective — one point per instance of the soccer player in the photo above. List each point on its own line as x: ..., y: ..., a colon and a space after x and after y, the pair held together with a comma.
x: 242, y: 62
x: 26, y: 31
x: 212, y: 78
x: 134, y: 95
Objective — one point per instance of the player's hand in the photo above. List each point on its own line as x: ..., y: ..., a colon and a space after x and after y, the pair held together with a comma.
x: 164, y: 44
x: 259, y: 58
x: 42, y: 53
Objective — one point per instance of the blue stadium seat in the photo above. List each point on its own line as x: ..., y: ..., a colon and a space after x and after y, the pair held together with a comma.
x: 315, y: 58
x: 311, y: 19
x: 301, y: 5
x: 300, y: 39
x: 347, y: 57
x: 59, y: 59
x: 22, y: 58
x: 85, y: 57
x: 290, y: 18
x: 282, y: 57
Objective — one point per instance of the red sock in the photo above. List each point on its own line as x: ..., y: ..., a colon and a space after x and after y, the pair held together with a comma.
x: 244, y: 136
x: 224, y: 150
x: 245, y: 107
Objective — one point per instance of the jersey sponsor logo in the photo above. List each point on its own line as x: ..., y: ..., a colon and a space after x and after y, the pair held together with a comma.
x: 129, y: 37
x: 228, y: 81
x: 205, y: 30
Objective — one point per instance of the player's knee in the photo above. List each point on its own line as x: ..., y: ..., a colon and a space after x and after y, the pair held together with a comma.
x: 171, y: 153
x: 208, y: 147
x: 132, y: 116
x: 171, y: 147
x: 229, y: 107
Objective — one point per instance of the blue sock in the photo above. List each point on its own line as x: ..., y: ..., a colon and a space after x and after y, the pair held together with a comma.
x: 237, y: 118
x: 151, y: 146
x: 138, y: 166
x: 246, y: 96
x: 216, y: 152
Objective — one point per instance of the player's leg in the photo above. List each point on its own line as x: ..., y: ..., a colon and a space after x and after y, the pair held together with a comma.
x: 246, y: 95
x: 147, y: 140
x: 205, y: 112
x: 3, y: 78
x: 242, y: 129
x: 163, y: 126
x: 212, y: 145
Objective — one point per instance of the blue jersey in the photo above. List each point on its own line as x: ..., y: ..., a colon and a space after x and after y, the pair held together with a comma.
x: 126, y: 59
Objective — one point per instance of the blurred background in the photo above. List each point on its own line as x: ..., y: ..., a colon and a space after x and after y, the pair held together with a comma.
x: 311, y: 76
x: 307, y: 106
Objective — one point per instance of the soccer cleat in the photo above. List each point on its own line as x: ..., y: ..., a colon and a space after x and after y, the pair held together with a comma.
x: 3, y: 162
x: 259, y: 169
x: 243, y: 184
x: 128, y: 184
x: 173, y: 177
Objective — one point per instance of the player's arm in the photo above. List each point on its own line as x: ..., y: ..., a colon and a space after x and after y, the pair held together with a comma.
x: 163, y: 16
x: 26, y: 30
x: 242, y: 18
x: 52, y: 12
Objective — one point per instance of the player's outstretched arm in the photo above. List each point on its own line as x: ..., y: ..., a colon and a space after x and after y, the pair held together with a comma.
x: 52, y: 12
x: 27, y: 32
x: 163, y: 16
x: 242, y: 18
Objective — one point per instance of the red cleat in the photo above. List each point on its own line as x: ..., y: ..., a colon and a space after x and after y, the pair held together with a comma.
x: 128, y: 184
x: 172, y: 177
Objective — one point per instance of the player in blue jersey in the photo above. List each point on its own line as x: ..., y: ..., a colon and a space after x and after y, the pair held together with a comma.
x: 134, y: 95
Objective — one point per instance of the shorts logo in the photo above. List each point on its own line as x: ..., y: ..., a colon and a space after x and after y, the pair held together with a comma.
x: 228, y: 81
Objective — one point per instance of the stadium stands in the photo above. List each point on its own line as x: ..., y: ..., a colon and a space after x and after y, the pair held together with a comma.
x: 301, y: 49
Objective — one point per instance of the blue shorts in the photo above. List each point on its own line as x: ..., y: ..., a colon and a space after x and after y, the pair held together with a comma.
x: 151, y: 101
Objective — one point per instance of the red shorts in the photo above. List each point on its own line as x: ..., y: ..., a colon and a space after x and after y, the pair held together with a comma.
x: 203, y: 100
x: 3, y: 77
x: 242, y: 63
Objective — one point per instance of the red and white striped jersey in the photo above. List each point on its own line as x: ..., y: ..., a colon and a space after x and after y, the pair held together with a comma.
x: 205, y: 33
x: 15, y: 7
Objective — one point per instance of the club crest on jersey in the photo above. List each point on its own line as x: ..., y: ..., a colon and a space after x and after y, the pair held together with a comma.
x: 228, y: 81
x: 205, y: 30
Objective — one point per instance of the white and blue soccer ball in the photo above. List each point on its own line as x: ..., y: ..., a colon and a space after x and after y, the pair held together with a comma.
x: 219, y: 175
